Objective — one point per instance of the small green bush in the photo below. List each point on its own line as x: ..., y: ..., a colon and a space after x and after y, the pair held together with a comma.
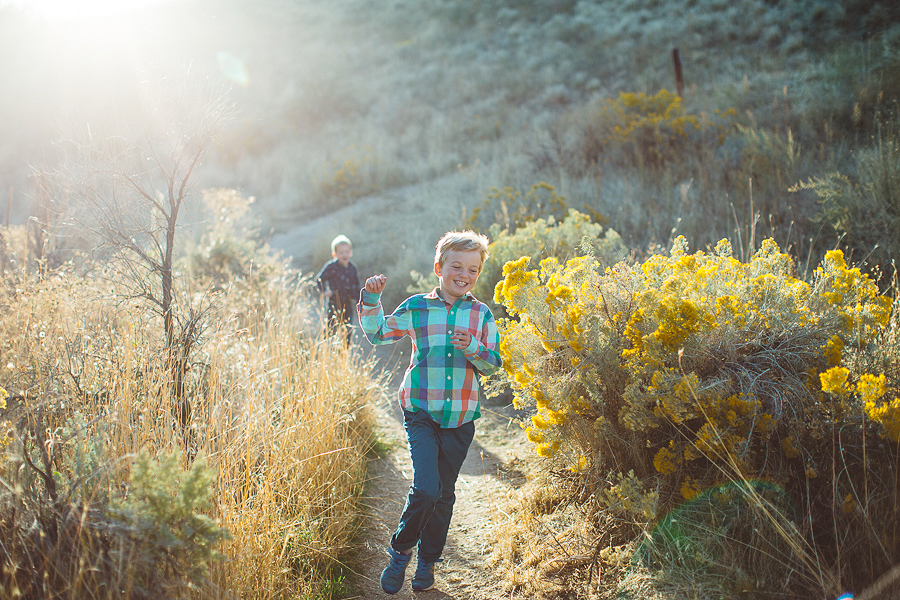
x: 863, y: 209
x: 229, y: 250
x: 68, y: 532
x: 510, y: 208
x: 728, y: 534
x: 171, y: 541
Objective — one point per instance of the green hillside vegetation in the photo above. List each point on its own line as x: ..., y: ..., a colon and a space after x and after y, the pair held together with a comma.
x: 697, y: 287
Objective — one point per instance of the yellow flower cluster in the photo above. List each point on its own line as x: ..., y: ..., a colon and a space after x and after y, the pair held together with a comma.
x: 833, y: 350
x: 726, y: 433
x: 667, y: 460
x: 690, y: 488
x: 4, y: 425
x: 515, y: 288
x: 691, y: 361
x: 854, y: 296
x: 834, y: 381
x: 657, y: 125
x: 627, y: 496
x: 888, y: 415
x: 870, y: 389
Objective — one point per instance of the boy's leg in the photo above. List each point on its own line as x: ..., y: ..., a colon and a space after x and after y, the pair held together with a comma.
x: 423, y: 435
x: 454, y: 445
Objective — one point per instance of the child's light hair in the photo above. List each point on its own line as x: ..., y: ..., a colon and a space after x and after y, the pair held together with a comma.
x: 341, y: 239
x: 461, y: 241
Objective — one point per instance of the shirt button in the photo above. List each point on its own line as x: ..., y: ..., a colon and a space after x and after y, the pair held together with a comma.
x: 449, y: 354
x: 448, y: 377
x: 450, y: 331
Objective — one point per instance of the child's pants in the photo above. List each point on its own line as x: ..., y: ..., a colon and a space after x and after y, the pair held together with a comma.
x: 437, y: 456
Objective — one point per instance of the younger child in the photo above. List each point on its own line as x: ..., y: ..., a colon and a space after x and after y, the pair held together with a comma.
x: 454, y: 341
x: 339, y: 283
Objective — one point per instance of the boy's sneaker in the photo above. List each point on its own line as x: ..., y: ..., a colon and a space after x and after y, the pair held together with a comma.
x: 424, y: 577
x: 393, y: 574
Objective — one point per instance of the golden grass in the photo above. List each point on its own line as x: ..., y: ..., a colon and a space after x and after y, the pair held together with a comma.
x: 280, y: 414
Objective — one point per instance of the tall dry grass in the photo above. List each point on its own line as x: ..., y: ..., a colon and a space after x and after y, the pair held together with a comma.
x: 280, y: 416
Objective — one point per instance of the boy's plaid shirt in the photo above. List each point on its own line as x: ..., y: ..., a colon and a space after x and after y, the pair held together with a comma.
x: 440, y: 379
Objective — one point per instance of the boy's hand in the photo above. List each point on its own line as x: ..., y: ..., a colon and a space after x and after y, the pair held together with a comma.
x: 375, y: 284
x: 461, y: 339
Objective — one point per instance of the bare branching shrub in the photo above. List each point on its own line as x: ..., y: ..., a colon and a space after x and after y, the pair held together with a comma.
x: 131, y: 190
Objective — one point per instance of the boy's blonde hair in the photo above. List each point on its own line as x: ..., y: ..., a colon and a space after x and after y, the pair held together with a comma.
x: 341, y: 239
x: 461, y: 241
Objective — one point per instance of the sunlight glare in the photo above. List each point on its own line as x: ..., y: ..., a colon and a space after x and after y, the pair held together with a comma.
x: 79, y: 9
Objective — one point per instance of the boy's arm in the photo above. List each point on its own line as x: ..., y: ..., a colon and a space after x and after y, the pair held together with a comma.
x: 378, y: 328
x: 322, y: 279
x: 354, y: 280
x: 482, y: 350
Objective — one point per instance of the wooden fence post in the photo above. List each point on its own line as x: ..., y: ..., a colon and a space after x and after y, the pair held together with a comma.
x: 679, y: 79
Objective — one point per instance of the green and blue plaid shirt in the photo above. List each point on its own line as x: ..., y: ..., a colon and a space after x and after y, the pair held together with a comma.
x: 440, y: 379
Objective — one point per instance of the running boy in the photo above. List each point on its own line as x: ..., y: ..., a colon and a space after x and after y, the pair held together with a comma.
x: 454, y: 340
x: 339, y: 283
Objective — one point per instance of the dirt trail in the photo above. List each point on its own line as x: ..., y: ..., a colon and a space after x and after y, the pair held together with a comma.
x: 487, y: 475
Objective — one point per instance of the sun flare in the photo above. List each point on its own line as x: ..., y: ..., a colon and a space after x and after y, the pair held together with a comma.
x: 79, y: 9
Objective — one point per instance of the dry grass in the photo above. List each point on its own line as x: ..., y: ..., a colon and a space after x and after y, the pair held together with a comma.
x: 279, y: 413
x: 397, y: 136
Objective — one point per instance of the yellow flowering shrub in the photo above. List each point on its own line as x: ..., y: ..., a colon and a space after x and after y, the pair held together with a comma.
x: 652, y: 129
x: 570, y: 236
x: 4, y: 425
x: 693, y: 369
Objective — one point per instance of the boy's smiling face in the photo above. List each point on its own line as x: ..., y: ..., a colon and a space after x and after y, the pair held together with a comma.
x: 343, y: 253
x: 458, y: 274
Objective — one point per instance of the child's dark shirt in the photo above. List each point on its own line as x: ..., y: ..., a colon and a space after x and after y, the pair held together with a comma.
x: 344, y: 285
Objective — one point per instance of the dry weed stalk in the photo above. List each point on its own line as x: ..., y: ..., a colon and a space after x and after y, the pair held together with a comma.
x: 281, y: 416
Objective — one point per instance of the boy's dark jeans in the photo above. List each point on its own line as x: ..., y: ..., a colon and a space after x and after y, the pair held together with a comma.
x: 437, y: 456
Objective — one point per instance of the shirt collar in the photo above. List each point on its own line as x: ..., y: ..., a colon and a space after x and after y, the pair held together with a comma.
x: 433, y: 295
